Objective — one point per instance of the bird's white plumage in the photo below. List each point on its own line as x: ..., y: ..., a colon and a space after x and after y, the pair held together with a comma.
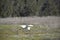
x: 26, y: 26
x: 30, y: 25
x: 23, y: 26
x: 29, y: 28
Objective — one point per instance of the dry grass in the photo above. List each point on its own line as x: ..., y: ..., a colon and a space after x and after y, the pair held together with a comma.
x: 15, y: 32
x: 45, y: 28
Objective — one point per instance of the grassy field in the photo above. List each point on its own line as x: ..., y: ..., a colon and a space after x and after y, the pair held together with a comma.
x: 38, y: 32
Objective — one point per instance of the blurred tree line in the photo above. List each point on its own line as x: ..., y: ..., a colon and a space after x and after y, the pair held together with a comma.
x: 22, y: 8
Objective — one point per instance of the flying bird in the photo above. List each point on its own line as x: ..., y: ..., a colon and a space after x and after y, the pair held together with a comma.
x: 27, y: 27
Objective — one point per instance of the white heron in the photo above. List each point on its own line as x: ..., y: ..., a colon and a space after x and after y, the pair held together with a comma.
x: 28, y: 27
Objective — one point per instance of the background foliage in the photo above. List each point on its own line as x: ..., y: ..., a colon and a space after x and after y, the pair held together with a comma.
x: 22, y: 8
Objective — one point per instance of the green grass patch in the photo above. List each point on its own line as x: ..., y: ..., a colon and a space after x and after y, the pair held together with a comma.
x: 36, y: 33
